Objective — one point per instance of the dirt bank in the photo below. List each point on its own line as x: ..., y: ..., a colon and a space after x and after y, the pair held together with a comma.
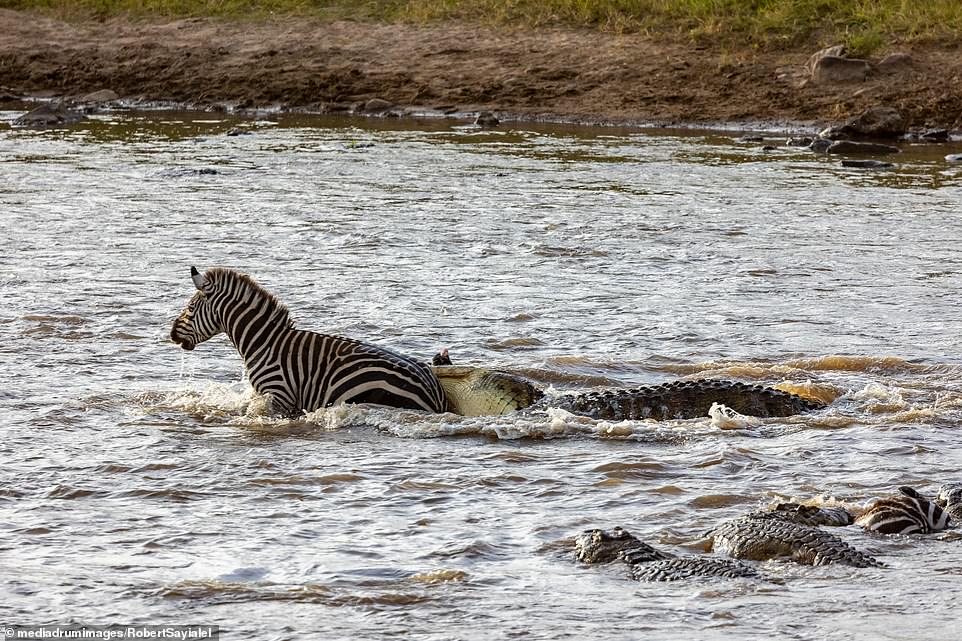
x: 555, y: 73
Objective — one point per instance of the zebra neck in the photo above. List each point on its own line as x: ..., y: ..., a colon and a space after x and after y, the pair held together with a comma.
x: 257, y: 337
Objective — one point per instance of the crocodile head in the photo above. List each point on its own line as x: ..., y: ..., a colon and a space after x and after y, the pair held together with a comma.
x: 477, y: 391
x: 950, y: 499
x: 602, y: 546
x: 813, y: 514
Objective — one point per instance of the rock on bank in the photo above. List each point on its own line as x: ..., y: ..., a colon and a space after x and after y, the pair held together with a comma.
x: 558, y: 73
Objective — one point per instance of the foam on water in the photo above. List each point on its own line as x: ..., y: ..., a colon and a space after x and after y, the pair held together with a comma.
x: 725, y: 418
x: 879, y: 395
x: 220, y: 400
x: 239, y: 405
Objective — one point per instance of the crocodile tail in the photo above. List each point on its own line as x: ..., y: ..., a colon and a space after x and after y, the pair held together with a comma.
x: 685, y: 399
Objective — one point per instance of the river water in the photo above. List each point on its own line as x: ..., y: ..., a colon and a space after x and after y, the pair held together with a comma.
x: 143, y: 484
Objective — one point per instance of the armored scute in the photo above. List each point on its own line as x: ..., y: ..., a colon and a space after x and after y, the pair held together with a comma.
x: 685, y: 399
x: 787, y: 531
x: 760, y: 539
x: 476, y: 391
x: 646, y: 563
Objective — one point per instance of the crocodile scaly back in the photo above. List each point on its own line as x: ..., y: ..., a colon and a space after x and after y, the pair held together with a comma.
x: 760, y: 539
x: 646, y: 563
x: 689, y: 566
x: 685, y: 399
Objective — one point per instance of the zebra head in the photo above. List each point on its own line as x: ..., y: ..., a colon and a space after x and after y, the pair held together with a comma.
x: 199, y: 321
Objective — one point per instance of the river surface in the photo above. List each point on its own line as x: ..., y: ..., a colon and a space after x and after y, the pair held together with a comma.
x: 143, y: 484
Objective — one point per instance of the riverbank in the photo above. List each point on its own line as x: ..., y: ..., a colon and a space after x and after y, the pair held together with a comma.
x: 546, y: 73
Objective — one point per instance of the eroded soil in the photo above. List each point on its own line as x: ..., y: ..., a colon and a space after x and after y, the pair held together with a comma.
x: 549, y: 73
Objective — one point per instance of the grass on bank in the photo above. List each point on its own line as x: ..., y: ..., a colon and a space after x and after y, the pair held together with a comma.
x: 863, y: 25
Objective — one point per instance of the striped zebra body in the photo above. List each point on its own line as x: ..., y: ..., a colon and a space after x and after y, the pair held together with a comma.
x: 301, y: 370
x: 906, y: 513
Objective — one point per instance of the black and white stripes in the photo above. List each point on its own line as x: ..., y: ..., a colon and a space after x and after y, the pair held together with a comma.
x: 905, y: 513
x: 301, y: 370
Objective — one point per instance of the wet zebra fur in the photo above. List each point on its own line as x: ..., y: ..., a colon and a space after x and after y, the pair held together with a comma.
x: 301, y: 370
x: 905, y: 513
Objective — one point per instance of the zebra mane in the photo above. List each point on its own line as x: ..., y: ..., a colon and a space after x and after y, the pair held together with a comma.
x: 244, y: 284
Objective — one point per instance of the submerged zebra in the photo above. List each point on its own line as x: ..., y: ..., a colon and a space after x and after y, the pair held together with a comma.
x: 907, y: 512
x: 300, y: 370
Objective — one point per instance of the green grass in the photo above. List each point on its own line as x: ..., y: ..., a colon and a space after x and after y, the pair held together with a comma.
x: 862, y: 24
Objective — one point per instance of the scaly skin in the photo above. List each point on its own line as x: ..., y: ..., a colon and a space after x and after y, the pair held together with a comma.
x: 787, y: 531
x: 950, y: 498
x: 685, y: 399
x: 690, y: 566
x: 476, y: 391
x: 602, y: 546
x: 646, y: 563
x: 807, y: 515
x: 760, y: 539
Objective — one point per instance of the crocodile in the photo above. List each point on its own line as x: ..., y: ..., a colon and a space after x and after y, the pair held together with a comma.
x: 645, y: 563
x: 685, y: 399
x: 789, y: 531
x: 478, y: 391
x: 786, y: 531
x: 760, y: 538
x: 475, y: 391
x: 950, y: 500
x: 811, y: 515
x: 907, y: 512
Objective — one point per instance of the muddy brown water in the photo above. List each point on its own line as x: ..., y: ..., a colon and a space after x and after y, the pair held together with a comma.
x: 142, y: 484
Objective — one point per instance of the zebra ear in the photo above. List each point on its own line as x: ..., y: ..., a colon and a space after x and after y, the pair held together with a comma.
x: 199, y: 279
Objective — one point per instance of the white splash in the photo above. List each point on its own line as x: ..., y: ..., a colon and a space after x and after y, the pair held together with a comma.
x: 877, y: 398
x: 238, y: 405
x: 554, y: 423
x: 725, y: 418
x: 219, y: 400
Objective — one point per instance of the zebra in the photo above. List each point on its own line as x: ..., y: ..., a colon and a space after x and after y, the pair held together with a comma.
x: 300, y: 370
x: 905, y: 513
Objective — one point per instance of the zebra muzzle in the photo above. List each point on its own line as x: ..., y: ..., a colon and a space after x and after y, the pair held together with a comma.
x: 183, y: 342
